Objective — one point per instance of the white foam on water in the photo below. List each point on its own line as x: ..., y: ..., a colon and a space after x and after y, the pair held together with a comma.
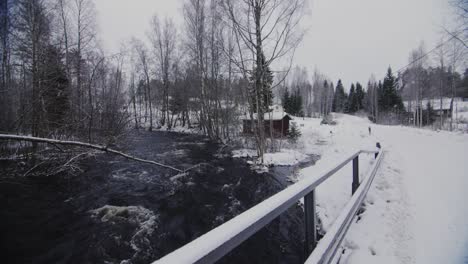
x: 144, y: 218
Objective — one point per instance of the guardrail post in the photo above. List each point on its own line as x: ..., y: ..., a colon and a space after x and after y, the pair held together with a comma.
x: 379, y: 147
x: 310, y: 223
x: 355, y: 183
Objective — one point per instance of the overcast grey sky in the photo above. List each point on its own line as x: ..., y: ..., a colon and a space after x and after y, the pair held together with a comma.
x: 347, y: 39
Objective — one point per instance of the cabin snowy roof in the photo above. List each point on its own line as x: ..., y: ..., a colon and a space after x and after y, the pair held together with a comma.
x: 268, y: 116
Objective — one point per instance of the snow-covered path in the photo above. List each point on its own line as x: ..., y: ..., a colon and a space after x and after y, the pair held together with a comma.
x: 417, y: 207
x: 434, y: 170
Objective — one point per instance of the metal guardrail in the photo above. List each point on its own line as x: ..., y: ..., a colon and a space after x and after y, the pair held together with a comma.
x: 213, y: 245
x: 326, y: 250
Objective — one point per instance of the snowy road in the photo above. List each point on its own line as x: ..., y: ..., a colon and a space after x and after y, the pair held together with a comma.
x: 417, y: 207
x: 434, y: 170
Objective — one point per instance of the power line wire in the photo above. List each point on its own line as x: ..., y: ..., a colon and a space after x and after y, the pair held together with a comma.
x: 427, y: 53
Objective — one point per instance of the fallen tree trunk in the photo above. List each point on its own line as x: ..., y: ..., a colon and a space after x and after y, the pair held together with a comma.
x: 85, y: 145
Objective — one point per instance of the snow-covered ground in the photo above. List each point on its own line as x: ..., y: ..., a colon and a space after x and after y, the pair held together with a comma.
x: 416, y: 210
x: 285, y: 157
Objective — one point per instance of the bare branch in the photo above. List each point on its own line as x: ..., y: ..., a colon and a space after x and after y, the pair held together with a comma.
x: 85, y: 145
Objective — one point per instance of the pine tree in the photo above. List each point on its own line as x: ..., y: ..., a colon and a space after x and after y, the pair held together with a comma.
x: 298, y: 104
x: 292, y: 104
x: 352, y: 100
x: 345, y: 103
x: 286, y: 101
x: 339, y: 98
x: 430, y: 114
x: 380, y: 90
x: 389, y: 98
x: 360, y: 95
x: 464, y: 85
x: 54, y: 98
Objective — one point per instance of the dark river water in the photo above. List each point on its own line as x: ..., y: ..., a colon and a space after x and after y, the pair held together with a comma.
x: 121, y: 211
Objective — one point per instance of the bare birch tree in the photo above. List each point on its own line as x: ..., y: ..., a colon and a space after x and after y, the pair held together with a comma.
x: 266, y: 31
x: 163, y: 39
x: 84, y: 24
x: 373, y: 98
x: 441, y: 55
x: 457, y: 53
x: 195, y: 27
x: 144, y: 63
x: 63, y: 9
x: 416, y: 83
x: 33, y: 31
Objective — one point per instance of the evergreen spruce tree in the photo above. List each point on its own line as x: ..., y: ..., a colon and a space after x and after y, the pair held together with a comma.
x: 345, y: 103
x: 464, y: 85
x: 292, y: 103
x: 298, y: 104
x: 339, y: 98
x: 360, y: 95
x: 379, y: 91
x: 293, y: 110
x: 286, y: 101
x: 389, y: 98
x: 430, y: 114
x: 55, y: 97
x: 352, y: 100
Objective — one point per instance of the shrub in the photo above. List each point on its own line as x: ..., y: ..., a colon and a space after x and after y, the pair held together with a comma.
x: 294, y: 133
